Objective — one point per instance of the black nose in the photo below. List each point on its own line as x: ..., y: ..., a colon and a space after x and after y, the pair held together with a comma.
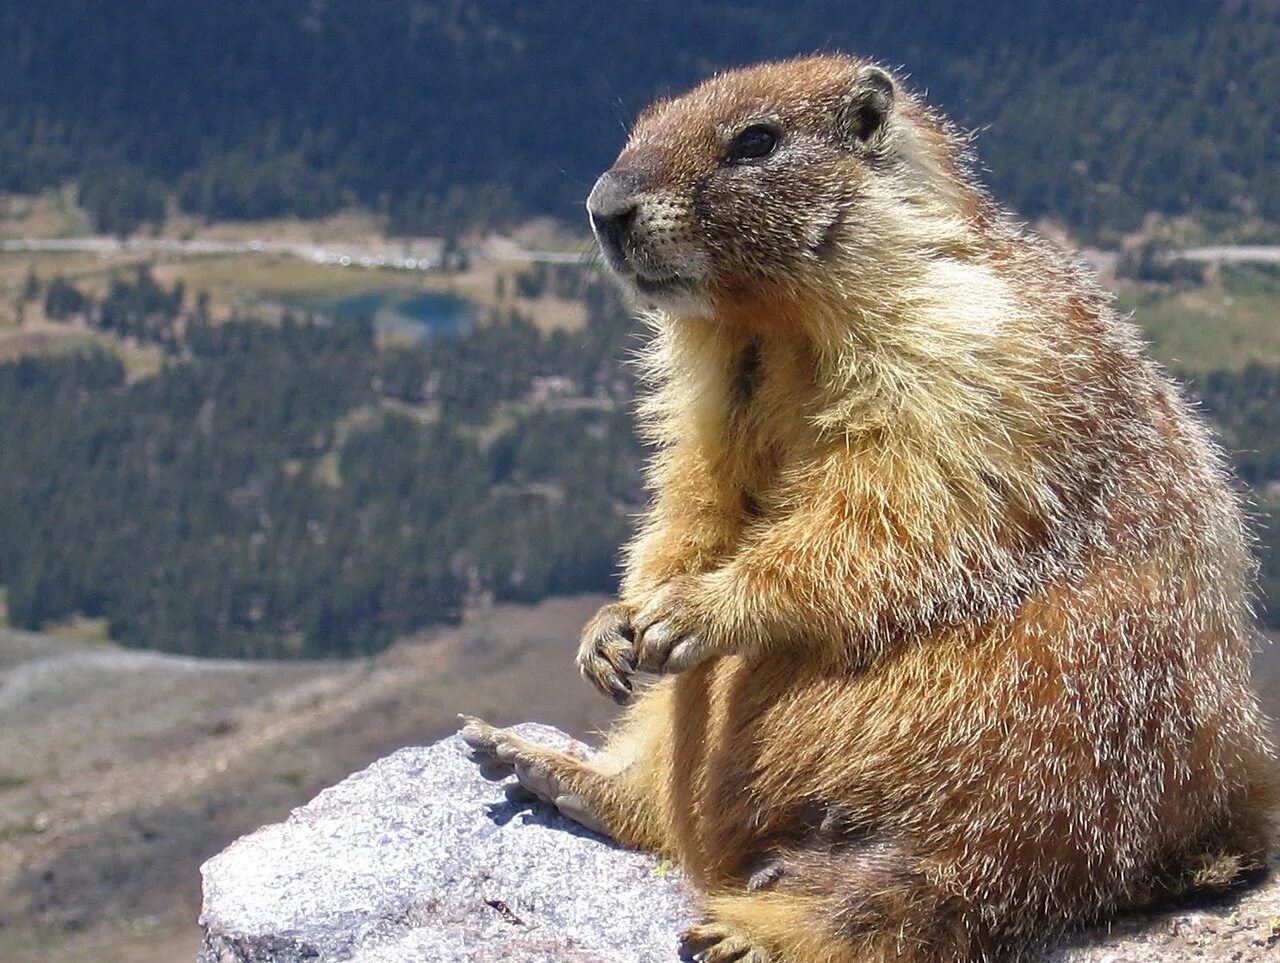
x: 612, y: 208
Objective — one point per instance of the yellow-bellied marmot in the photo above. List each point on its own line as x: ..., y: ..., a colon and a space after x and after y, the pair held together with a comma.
x: 945, y: 584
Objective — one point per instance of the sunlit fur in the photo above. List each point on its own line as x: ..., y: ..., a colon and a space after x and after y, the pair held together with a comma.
x: 968, y: 573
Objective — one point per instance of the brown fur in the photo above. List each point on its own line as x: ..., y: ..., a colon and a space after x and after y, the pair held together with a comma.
x: 947, y: 585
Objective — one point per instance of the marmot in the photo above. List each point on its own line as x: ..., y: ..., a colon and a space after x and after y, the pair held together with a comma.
x: 946, y: 585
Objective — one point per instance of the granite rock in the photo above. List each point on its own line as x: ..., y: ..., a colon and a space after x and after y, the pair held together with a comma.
x: 418, y: 858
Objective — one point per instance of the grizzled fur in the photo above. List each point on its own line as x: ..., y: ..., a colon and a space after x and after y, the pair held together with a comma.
x: 944, y: 584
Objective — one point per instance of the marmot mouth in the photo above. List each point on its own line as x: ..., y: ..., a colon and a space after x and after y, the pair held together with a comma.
x: 660, y: 284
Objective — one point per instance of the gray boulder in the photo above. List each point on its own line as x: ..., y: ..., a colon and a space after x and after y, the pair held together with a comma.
x: 419, y: 859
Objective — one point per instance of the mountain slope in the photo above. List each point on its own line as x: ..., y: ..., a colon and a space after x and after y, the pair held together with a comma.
x: 120, y: 772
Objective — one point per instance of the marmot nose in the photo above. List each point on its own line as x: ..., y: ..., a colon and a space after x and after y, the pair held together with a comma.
x: 612, y: 208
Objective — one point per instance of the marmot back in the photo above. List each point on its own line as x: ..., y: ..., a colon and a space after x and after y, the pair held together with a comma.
x: 946, y: 586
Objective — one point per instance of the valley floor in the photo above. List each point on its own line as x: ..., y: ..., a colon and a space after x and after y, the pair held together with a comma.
x: 122, y: 771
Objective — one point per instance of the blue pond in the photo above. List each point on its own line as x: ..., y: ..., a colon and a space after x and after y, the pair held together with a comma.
x: 420, y: 314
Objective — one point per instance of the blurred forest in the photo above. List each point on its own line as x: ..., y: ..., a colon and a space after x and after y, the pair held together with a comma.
x: 294, y: 490
x: 452, y: 115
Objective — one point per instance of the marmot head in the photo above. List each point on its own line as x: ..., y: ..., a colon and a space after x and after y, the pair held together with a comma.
x: 764, y: 182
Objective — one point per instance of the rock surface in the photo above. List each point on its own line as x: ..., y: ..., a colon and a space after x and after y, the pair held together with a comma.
x: 419, y: 859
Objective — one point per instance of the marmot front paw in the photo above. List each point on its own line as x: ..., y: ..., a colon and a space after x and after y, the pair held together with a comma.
x: 607, y: 655
x: 671, y: 634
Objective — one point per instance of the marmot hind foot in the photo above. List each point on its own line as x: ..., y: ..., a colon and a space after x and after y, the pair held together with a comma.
x: 714, y: 942
x: 500, y: 753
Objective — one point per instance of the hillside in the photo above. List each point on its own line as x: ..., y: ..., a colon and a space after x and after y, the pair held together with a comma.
x: 451, y: 113
x: 120, y: 772
x: 300, y: 489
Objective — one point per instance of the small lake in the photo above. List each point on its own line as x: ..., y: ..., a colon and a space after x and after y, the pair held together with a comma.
x: 419, y: 314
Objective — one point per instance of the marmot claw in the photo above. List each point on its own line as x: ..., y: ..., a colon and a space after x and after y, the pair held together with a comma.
x: 712, y: 942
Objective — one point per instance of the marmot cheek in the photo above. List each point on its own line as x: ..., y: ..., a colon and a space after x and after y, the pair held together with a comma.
x: 826, y: 246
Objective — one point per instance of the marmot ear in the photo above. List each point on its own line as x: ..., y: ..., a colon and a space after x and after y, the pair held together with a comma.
x: 865, y: 110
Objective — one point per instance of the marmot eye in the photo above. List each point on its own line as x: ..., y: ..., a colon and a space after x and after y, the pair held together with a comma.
x: 758, y: 140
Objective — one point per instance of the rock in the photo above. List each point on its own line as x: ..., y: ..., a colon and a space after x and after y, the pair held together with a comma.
x: 1244, y: 928
x: 418, y: 859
